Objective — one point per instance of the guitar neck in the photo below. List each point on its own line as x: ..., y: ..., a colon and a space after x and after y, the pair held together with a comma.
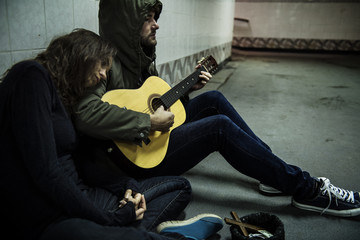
x: 171, y: 96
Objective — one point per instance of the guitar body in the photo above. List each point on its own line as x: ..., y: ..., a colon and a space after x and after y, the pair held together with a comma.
x: 142, y: 100
x: 151, y: 95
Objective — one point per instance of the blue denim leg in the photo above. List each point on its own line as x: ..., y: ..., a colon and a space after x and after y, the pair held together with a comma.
x: 213, y: 125
x: 166, y: 198
x: 214, y: 103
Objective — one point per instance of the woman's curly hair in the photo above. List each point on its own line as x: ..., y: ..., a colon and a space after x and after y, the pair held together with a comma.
x: 71, y: 59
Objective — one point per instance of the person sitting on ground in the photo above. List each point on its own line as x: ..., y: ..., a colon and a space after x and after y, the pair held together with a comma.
x: 212, y: 124
x: 43, y: 196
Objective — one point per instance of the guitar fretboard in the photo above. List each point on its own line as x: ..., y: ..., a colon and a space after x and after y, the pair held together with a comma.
x: 170, y: 97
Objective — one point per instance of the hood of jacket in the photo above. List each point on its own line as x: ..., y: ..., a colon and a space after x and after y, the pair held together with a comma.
x: 120, y: 22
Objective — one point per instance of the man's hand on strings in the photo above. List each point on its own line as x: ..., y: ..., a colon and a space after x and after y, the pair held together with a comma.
x: 162, y: 120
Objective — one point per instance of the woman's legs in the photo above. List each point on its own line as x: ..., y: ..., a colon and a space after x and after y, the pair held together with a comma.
x: 82, y: 229
x: 166, y: 197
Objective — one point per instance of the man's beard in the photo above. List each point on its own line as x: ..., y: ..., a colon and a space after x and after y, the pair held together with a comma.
x: 148, y: 43
x: 148, y: 46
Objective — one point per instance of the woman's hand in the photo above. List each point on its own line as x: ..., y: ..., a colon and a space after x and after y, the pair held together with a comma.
x: 138, y: 200
x: 162, y: 120
x: 140, y: 206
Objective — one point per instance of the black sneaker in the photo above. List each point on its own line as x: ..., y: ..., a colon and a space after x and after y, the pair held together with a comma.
x: 332, y: 200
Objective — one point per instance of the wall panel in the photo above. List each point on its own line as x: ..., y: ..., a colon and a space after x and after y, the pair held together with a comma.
x: 301, y: 25
x: 188, y: 29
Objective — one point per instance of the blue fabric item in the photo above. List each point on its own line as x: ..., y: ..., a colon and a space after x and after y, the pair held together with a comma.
x: 197, y: 228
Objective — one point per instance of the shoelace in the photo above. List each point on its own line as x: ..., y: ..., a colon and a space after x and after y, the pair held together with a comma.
x: 338, y: 193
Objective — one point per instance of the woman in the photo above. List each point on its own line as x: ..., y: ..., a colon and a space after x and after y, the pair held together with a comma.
x: 44, y: 198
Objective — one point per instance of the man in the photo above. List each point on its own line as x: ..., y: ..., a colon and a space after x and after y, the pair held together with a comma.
x: 211, y: 124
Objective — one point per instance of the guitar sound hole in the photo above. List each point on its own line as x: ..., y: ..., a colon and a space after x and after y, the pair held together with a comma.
x: 155, y: 104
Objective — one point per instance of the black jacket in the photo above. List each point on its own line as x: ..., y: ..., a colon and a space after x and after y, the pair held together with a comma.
x: 39, y: 183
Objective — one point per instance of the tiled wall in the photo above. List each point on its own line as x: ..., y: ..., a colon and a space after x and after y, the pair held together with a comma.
x: 190, y: 29
x: 27, y: 27
x: 187, y: 27
x: 190, y: 26
x: 332, y: 25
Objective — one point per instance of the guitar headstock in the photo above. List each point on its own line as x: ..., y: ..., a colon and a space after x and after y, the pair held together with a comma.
x: 209, y: 63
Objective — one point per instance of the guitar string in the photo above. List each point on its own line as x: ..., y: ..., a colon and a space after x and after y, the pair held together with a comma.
x: 156, y: 106
x: 169, y: 97
x: 148, y: 110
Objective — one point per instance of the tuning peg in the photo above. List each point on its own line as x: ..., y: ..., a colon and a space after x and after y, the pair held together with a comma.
x: 201, y: 60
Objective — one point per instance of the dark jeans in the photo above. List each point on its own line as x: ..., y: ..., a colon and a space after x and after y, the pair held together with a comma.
x: 166, y: 198
x: 82, y: 229
x: 213, y: 125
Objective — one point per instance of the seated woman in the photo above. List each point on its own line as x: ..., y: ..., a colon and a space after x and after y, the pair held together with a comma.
x: 43, y: 195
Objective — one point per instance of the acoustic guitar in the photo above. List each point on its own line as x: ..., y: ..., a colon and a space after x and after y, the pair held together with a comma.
x: 146, y: 99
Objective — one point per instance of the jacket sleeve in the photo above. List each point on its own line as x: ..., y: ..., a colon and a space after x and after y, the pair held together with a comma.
x: 101, y: 120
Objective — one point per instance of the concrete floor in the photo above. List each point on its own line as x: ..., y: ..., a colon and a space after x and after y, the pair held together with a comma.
x: 307, y: 108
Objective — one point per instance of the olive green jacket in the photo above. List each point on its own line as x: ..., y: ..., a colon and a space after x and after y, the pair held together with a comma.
x: 120, y: 22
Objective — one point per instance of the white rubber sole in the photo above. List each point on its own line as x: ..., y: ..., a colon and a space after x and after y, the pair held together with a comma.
x: 268, y: 190
x: 166, y: 224
x: 338, y: 213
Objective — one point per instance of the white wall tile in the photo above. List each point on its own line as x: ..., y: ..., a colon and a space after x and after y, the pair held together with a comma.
x: 86, y: 14
x: 193, y: 26
x: 26, y: 24
x: 186, y: 26
x: 5, y: 62
x: 18, y: 56
x: 59, y: 17
x: 4, y: 28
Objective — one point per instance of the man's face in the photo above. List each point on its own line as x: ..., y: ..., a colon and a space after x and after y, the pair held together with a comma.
x: 148, y: 31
